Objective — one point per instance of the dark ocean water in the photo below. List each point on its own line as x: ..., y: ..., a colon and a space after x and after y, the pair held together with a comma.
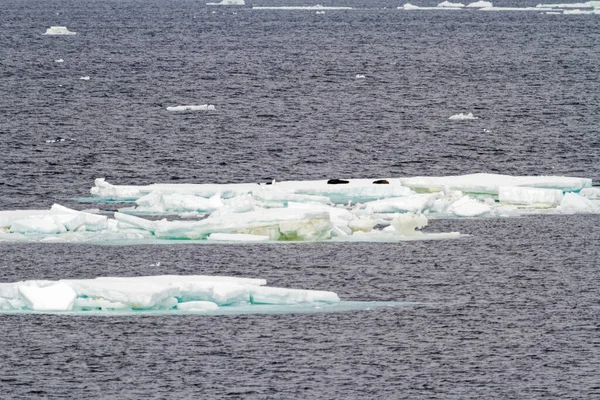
x: 512, y: 311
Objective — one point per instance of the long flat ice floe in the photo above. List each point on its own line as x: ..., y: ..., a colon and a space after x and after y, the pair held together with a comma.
x: 193, y: 293
x: 59, y: 31
x: 228, y: 3
x: 203, y: 107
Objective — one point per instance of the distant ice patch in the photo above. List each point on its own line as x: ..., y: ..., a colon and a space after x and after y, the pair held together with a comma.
x: 60, y: 60
x: 359, y: 76
x: 449, y: 4
x: 315, y: 7
x: 59, y: 31
x: 203, y: 107
x: 480, y: 4
x: 462, y: 116
x: 85, y: 78
x: 228, y: 3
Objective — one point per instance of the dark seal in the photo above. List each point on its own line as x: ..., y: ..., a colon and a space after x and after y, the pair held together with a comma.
x: 381, y: 182
x: 337, y: 182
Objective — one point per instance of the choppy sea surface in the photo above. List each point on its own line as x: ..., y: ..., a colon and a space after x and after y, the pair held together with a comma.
x: 512, y: 311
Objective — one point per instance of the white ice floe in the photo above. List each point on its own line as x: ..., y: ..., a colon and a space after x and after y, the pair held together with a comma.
x: 237, y: 237
x: 315, y: 7
x: 462, y: 116
x: 320, y: 12
x: 573, y: 203
x: 203, y: 107
x: 194, y: 293
x: 577, y: 12
x: 590, y: 193
x: 85, y: 78
x: 411, y: 7
x: 228, y: 3
x: 480, y: 4
x: 59, y: 31
x: 359, y: 76
x: 60, y: 60
x: 449, y: 4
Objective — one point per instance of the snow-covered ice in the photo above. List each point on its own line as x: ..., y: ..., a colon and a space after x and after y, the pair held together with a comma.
x: 410, y: 7
x: 59, y: 31
x: 203, y: 107
x: 315, y: 7
x: 60, y: 60
x: 449, y: 4
x: 85, y: 78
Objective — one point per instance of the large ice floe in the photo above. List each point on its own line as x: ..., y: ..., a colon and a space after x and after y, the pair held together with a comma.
x: 198, y: 294
x: 389, y: 210
x: 59, y: 31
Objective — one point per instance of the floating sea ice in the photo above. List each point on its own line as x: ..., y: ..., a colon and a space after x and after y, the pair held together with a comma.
x: 60, y: 60
x: 406, y: 224
x: 577, y: 12
x: 573, y: 203
x: 448, y: 4
x: 59, y: 30
x: 411, y: 203
x: 85, y: 78
x: 196, y: 293
x: 58, y: 219
x: 203, y: 107
x: 316, y: 7
x: 480, y: 4
x: 409, y: 7
x: 514, y: 9
x: 228, y: 3
x: 462, y: 116
x: 320, y: 12
x: 157, y: 202
x: 359, y: 76
x: 588, y: 4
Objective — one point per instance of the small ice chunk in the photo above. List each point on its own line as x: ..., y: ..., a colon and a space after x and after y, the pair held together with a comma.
x: 575, y: 203
x: 59, y: 30
x: 359, y: 76
x: 203, y: 107
x: 228, y: 3
x: 38, y: 224
x: 54, y: 297
x: 468, y: 207
x: 197, y: 306
x: 85, y: 78
x: 60, y: 60
x: 480, y: 4
x: 274, y: 295
x: 362, y: 224
x: 462, y: 116
x: 405, y: 224
x: 448, y: 4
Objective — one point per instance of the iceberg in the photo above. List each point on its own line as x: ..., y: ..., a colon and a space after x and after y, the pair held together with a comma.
x: 203, y: 107
x: 59, y: 31
x: 193, y: 293
x: 228, y: 3
x: 462, y: 116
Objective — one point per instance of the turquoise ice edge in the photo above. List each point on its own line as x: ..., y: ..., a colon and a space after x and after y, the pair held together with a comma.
x: 256, y: 309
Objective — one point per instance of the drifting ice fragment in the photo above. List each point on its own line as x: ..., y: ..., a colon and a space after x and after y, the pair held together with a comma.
x: 60, y: 60
x: 448, y: 4
x: 462, y: 116
x: 228, y: 3
x: 590, y: 193
x: 359, y: 76
x: 316, y: 7
x: 54, y: 297
x: 59, y: 30
x: 480, y: 4
x: 203, y: 107
x: 85, y: 78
